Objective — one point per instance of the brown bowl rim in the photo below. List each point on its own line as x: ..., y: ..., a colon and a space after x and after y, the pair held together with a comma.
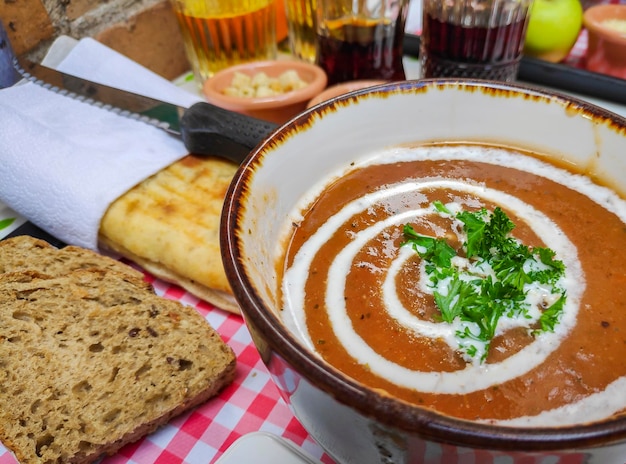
x: 428, y: 424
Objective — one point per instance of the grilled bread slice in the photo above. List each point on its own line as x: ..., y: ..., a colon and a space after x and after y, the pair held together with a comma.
x: 169, y: 225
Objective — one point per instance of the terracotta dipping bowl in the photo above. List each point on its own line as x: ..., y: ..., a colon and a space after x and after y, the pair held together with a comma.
x: 351, y: 421
x: 341, y: 89
x: 278, y: 108
x: 606, y: 49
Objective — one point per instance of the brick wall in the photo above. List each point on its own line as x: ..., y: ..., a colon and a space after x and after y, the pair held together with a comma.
x: 144, y: 30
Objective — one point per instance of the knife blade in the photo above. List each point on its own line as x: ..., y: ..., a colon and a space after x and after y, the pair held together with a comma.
x: 205, y: 129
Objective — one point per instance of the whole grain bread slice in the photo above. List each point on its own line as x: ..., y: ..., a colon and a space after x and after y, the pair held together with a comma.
x: 24, y: 252
x: 92, y: 360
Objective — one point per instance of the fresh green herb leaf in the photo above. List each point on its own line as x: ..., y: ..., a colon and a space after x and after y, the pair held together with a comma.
x: 509, y: 269
x: 554, y: 268
x: 472, y: 351
x: 439, y: 206
x: 484, y: 236
x: 4, y: 223
x: 475, y: 230
x: 550, y: 317
x: 432, y: 249
x: 459, y: 294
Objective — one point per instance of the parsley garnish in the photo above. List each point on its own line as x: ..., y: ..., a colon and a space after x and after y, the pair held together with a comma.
x: 488, y: 278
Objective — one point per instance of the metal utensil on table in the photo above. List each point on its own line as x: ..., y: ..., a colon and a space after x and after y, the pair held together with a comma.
x: 204, y: 128
x: 8, y: 74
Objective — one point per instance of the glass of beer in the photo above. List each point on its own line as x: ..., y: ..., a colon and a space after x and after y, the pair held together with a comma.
x: 480, y: 39
x: 222, y: 33
x: 301, y: 21
x: 361, y: 40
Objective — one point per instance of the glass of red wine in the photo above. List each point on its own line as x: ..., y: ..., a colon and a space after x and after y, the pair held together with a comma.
x: 480, y: 39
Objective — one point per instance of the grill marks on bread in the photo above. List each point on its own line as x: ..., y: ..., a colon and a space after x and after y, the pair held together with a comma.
x: 169, y: 224
x: 91, y: 360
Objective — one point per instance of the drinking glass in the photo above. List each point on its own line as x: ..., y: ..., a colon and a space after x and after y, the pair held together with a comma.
x: 480, y: 39
x: 361, y: 39
x: 301, y: 22
x: 222, y: 33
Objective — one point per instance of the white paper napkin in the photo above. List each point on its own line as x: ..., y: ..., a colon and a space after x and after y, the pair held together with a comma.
x: 63, y: 162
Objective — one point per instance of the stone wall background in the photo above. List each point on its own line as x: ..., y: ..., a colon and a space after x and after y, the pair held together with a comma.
x: 144, y: 30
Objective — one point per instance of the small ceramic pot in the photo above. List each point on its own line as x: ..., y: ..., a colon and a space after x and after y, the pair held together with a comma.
x: 341, y: 89
x: 606, y: 49
x: 279, y: 108
x: 354, y: 423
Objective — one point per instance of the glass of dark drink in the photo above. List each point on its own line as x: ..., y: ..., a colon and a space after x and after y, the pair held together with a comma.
x: 480, y: 39
x: 361, y: 40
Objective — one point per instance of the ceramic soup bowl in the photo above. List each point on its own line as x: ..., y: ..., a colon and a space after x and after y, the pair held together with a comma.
x: 571, y: 418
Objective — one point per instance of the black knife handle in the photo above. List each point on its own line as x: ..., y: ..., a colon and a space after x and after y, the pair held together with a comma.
x: 209, y: 130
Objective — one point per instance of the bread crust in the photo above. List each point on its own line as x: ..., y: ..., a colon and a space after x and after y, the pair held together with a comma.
x: 29, y: 253
x: 221, y: 299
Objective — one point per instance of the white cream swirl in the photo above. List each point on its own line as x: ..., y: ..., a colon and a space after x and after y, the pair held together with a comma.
x: 473, y: 377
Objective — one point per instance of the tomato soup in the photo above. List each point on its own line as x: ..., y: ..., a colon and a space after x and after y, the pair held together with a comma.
x: 354, y: 292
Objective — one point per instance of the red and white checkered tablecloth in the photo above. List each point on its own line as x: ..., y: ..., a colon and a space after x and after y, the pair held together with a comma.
x: 250, y: 404
x: 577, y: 53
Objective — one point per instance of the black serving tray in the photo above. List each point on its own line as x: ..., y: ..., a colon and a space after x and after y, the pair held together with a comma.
x: 558, y: 76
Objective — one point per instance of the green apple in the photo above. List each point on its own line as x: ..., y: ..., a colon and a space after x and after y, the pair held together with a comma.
x: 553, y: 27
